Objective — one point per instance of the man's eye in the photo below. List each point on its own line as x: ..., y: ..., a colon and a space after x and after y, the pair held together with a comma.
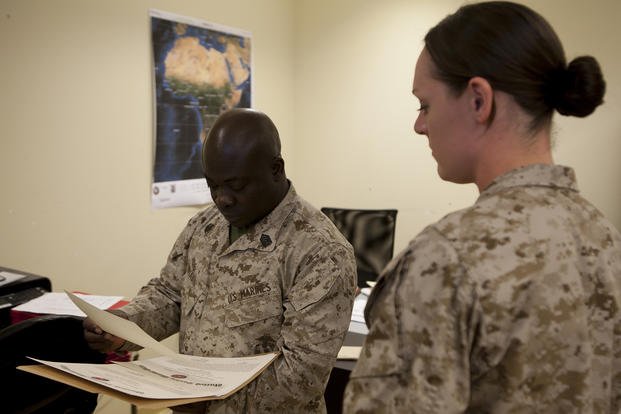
x: 423, y: 108
x: 237, y: 186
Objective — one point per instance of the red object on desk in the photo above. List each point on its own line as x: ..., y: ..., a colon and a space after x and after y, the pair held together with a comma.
x: 18, y: 316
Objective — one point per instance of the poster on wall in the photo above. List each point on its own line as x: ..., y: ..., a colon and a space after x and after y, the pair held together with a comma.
x: 200, y: 69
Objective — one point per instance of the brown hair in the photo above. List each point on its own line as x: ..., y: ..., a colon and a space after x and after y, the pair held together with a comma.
x: 517, y: 51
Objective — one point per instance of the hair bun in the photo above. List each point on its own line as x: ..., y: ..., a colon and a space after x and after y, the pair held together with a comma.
x: 577, y: 90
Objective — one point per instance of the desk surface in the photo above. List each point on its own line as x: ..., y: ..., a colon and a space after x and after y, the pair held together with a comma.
x: 339, y: 375
x: 355, y: 337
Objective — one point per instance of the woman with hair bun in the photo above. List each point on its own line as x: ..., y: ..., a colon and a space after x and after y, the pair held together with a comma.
x: 511, y: 305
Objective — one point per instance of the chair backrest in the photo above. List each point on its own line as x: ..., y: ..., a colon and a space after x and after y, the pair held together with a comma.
x: 49, y: 337
x: 371, y: 233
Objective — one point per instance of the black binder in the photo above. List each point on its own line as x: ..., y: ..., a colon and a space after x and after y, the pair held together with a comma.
x: 19, y: 291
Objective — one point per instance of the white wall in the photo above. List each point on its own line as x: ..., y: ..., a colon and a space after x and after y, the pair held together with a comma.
x: 76, y: 136
x: 335, y: 75
x: 354, y: 62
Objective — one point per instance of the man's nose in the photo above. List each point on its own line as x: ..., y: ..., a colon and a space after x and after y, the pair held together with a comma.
x: 223, y: 198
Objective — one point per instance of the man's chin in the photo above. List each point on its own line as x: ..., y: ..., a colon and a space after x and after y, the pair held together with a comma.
x: 236, y: 221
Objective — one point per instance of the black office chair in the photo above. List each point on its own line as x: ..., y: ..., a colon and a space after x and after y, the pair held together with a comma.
x: 371, y: 233
x: 49, y: 337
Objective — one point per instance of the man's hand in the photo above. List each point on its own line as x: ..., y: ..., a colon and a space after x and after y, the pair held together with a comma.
x: 99, y: 340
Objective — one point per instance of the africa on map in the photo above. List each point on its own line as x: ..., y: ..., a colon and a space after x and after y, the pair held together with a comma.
x: 200, y: 70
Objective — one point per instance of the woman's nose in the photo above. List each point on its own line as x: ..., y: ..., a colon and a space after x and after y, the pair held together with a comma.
x: 420, y: 126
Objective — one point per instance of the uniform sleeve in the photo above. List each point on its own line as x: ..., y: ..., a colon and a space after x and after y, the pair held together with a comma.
x: 317, y: 312
x: 416, y: 355
x: 156, y: 307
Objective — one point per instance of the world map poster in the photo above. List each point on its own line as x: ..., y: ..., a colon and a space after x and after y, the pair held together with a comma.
x: 200, y: 70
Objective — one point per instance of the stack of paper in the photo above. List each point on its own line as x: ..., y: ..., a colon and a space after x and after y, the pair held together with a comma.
x: 58, y: 303
x: 164, y: 381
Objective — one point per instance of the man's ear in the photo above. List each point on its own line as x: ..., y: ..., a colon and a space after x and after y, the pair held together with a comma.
x: 481, y: 99
x: 278, y: 168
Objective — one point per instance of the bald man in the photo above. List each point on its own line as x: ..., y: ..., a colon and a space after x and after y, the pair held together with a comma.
x: 260, y: 270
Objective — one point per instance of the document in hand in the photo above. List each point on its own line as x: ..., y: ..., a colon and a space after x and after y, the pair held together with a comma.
x: 164, y: 381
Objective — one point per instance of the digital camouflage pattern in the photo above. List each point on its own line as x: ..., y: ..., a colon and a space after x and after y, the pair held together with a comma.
x: 509, y: 306
x: 288, y: 285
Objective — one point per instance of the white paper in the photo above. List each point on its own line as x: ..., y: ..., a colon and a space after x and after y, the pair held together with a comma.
x: 170, y: 377
x: 366, y: 291
x: 358, y: 327
x: 9, y: 277
x: 357, y: 314
x: 59, y: 304
x: 120, y: 327
x: 349, y: 352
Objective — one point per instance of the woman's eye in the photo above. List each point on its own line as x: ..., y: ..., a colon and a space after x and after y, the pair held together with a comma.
x: 423, y: 108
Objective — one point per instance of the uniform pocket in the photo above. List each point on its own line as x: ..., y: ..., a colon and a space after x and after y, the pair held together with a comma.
x: 315, y: 285
x: 253, y: 310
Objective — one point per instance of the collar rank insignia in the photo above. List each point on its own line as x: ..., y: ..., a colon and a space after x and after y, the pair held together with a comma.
x: 265, y: 240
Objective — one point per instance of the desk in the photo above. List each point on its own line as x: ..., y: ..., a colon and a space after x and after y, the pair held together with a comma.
x: 355, y: 337
x: 20, y: 315
x: 342, y: 368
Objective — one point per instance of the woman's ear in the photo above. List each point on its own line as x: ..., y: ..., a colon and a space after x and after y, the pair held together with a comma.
x: 481, y: 99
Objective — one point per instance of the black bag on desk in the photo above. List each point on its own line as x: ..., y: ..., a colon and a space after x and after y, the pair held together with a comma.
x: 50, y: 337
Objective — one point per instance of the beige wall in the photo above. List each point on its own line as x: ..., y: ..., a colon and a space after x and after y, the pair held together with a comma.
x: 76, y: 136
x: 354, y: 62
x: 76, y: 132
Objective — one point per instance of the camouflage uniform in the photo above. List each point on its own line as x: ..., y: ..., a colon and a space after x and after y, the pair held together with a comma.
x: 286, y: 285
x: 509, y: 306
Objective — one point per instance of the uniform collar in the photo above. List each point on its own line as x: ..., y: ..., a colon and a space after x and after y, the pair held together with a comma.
x: 262, y: 236
x: 536, y: 175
